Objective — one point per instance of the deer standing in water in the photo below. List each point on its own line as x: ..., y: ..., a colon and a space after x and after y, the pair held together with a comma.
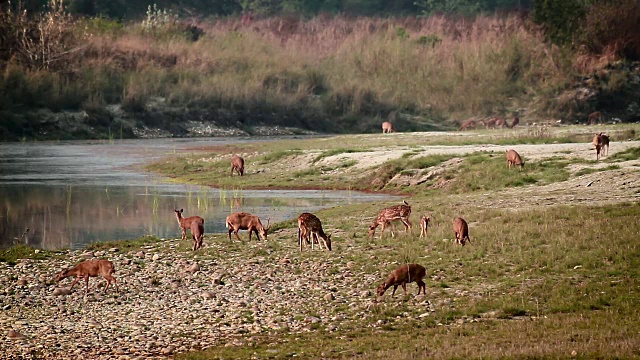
x: 90, y: 268
x: 390, y: 214
x: 310, y: 227
x: 245, y: 221
x: 237, y: 164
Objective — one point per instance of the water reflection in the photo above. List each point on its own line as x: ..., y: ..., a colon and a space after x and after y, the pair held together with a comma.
x: 66, y: 205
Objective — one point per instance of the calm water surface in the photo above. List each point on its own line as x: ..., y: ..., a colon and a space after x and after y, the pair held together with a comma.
x: 69, y: 194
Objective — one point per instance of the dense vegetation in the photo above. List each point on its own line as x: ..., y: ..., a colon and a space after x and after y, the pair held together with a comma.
x: 325, y: 73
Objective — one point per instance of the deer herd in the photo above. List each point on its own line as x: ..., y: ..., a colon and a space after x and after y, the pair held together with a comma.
x: 310, y: 231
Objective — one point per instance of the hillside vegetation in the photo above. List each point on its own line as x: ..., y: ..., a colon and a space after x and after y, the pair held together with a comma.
x: 64, y: 77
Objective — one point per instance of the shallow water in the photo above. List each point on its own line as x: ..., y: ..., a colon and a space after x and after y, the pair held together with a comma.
x: 69, y: 194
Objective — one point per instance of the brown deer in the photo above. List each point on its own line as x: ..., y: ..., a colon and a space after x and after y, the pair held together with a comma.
x: 461, y: 230
x: 185, y: 223
x: 237, y: 164
x: 387, y: 127
x: 197, y: 232
x: 489, y: 123
x: 403, y: 275
x: 245, y: 221
x: 501, y: 123
x: 516, y: 121
x: 424, y: 225
x: 594, y: 117
x: 513, y: 158
x: 309, y: 226
x: 392, y: 213
x: 469, y: 124
x: 601, y: 140
x: 90, y: 268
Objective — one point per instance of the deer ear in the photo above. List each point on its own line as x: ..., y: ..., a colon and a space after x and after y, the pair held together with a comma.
x: 181, y: 210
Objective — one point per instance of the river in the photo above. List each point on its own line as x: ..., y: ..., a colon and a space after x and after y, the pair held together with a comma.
x: 67, y: 194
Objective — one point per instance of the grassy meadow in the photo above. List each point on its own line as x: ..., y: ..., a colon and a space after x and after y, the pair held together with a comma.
x: 537, y: 281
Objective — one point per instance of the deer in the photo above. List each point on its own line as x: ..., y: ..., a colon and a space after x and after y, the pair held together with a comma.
x: 387, y: 128
x: 489, y: 123
x: 237, y: 164
x: 90, y: 268
x: 594, y: 118
x: 513, y: 158
x: 461, y: 230
x: 468, y: 124
x: 501, y: 123
x: 197, y: 233
x: 601, y: 140
x: 186, y: 223
x: 309, y: 226
x: 392, y: 213
x: 403, y: 275
x: 245, y: 221
x: 424, y: 225
x: 516, y: 121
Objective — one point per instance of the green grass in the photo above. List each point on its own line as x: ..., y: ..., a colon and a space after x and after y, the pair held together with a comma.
x: 545, y: 279
x: 333, y: 152
x: 586, y: 171
x: 16, y: 252
x: 627, y: 155
x: 124, y: 245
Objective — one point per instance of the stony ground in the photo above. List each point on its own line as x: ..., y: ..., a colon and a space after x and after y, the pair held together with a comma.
x: 171, y: 301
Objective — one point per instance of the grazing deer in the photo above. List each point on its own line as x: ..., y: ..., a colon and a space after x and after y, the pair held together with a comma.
x: 237, y: 164
x: 387, y: 127
x: 600, y: 141
x: 393, y: 213
x: 513, y: 158
x: 516, y: 121
x: 309, y: 226
x: 594, y: 117
x: 500, y: 123
x: 461, y: 229
x: 245, y: 221
x: 90, y: 268
x: 424, y: 225
x: 185, y: 223
x: 469, y: 124
x: 403, y: 275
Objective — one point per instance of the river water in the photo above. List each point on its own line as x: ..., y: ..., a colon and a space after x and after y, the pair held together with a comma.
x: 56, y: 195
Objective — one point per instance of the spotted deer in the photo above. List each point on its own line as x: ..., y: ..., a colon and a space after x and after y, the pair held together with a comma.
x: 594, y: 117
x: 514, y: 159
x: 186, y: 223
x: 601, y: 142
x: 245, y: 221
x: 387, y: 127
x: 403, y: 275
x: 461, y: 230
x: 469, y: 124
x: 90, y: 268
x: 309, y: 226
x: 237, y: 164
x: 390, y: 214
x: 424, y: 225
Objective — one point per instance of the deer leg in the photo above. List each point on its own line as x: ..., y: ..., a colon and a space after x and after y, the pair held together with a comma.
x: 107, y: 286
x: 382, y: 230
x: 394, y: 290
x: 236, y: 233
x: 393, y: 230
x: 75, y: 281
x: 86, y: 280
x: 423, y: 286
x: 404, y: 287
x: 407, y: 225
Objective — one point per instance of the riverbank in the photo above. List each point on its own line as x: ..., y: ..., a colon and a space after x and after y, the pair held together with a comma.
x: 541, y: 277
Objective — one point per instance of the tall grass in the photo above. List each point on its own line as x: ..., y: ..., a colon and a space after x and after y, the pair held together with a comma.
x: 303, y: 72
